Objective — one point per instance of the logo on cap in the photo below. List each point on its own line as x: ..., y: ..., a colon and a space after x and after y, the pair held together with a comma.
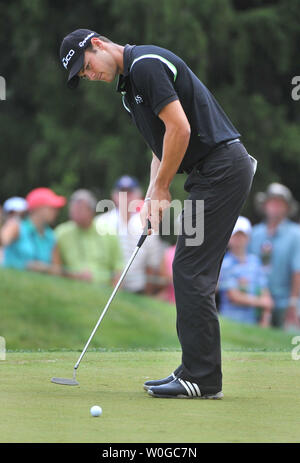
x: 82, y: 44
x: 67, y: 58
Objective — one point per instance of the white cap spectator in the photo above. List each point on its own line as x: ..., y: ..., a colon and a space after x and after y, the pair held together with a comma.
x: 242, y: 225
x: 15, y: 204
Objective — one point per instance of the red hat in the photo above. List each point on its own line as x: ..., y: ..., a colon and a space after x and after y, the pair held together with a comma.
x: 44, y: 197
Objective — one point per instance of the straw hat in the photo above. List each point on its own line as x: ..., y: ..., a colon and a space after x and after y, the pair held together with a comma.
x: 276, y: 190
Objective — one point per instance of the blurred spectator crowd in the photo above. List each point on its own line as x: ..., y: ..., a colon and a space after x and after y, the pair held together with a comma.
x: 88, y: 246
x: 260, y: 274
x: 259, y: 280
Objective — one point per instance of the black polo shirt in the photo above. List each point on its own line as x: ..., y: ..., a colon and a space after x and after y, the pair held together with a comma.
x: 154, y: 77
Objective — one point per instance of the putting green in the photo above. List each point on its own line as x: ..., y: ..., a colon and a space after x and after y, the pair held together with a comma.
x: 261, y: 403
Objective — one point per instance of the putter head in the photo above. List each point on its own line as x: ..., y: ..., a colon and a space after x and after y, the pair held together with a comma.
x: 65, y: 381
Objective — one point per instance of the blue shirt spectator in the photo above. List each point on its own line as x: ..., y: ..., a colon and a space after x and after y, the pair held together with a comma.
x: 243, y: 292
x: 277, y: 241
x: 30, y: 246
x: 30, y: 243
x: 246, y: 276
x: 280, y: 255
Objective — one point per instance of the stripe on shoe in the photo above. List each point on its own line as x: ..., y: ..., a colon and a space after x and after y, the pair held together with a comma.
x: 197, y: 389
x: 185, y: 386
x: 191, y: 388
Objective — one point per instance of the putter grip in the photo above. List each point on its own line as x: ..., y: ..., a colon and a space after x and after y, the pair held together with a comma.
x: 145, y: 234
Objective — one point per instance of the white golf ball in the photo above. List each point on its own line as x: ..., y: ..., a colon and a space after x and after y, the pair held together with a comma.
x: 96, y: 410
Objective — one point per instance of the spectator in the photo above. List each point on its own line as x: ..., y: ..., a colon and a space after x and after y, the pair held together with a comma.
x: 242, y: 284
x: 15, y: 207
x: 1, y: 223
x: 277, y: 242
x: 85, y: 254
x: 30, y: 243
x: 124, y: 221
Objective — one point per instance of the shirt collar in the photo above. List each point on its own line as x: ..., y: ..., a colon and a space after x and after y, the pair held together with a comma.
x: 281, y: 227
x: 127, y: 60
x: 33, y: 229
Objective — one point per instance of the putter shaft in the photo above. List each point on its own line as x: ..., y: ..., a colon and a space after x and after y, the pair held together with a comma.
x: 107, y: 306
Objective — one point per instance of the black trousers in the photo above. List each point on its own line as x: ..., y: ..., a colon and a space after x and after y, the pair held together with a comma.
x: 223, y: 181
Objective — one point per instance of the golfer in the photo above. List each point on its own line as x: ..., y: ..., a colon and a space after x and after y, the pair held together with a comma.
x: 188, y: 132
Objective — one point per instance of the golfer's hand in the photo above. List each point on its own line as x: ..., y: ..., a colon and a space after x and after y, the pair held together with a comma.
x: 160, y: 200
x: 144, y: 215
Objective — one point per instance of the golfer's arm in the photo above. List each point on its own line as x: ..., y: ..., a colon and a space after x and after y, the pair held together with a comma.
x: 176, y: 140
x: 155, y: 163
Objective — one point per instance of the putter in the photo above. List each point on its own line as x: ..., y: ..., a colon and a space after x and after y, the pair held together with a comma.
x: 73, y: 381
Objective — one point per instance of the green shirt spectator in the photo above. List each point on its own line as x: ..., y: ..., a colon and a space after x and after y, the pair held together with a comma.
x: 84, y: 252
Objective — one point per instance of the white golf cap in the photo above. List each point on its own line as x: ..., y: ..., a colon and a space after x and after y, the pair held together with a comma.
x: 242, y: 225
x: 15, y: 204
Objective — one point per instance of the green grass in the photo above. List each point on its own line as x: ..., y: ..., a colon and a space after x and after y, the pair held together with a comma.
x: 44, y: 312
x: 46, y: 321
x: 261, y: 403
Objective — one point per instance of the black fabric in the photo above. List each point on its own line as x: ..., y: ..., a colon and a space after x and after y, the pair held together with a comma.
x: 155, y: 83
x: 150, y: 83
x: 72, y: 53
x: 159, y: 382
x: 170, y: 389
x: 223, y: 182
x: 221, y: 177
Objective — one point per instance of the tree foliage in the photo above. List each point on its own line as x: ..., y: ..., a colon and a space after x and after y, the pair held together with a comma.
x: 245, y: 52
